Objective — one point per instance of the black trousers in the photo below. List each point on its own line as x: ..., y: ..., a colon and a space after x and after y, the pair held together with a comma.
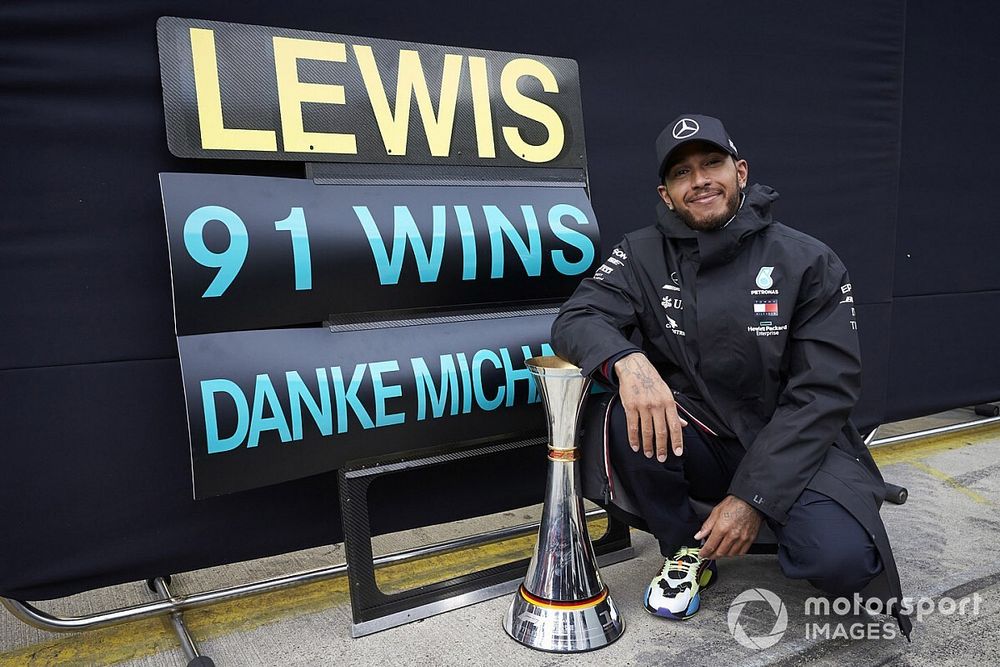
x: 821, y: 542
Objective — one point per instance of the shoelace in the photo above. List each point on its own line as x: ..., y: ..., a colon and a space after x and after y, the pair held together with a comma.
x: 684, y: 560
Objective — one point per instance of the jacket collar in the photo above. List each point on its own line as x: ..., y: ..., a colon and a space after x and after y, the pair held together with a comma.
x: 722, y: 245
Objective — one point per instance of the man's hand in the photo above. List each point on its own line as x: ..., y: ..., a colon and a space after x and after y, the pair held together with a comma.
x: 731, y: 528
x: 649, y: 408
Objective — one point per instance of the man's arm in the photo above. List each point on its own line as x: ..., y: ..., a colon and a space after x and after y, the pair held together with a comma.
x: 589, y: 332
x: 589, y: 329
x: 824, y: 383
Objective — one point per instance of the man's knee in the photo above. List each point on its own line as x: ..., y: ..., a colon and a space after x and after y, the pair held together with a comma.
x: 836, y: 569
x: 827, y: 546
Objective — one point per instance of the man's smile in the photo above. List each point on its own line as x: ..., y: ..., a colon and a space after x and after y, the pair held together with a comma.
x: 706, y: 198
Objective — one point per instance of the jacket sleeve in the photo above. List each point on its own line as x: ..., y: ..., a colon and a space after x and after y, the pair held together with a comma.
x: 592, y: 324
x: 824, y: 382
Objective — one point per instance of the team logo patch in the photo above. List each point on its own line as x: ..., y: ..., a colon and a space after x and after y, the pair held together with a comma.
x: 685, y: 128
x: 768, y: 308
x: 764, y: 279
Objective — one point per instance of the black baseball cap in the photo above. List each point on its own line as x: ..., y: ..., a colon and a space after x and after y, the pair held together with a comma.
x: 691, y: 127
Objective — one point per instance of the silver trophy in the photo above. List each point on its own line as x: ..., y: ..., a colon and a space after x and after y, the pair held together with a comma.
x: 563, y: 606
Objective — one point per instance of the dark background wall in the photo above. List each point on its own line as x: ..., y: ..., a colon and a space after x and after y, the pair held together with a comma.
x: 873, y: 119
x: 946, y: 280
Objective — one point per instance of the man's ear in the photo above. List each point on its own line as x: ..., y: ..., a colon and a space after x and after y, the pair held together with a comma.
x: 662, y: 190
x: 742, y: 173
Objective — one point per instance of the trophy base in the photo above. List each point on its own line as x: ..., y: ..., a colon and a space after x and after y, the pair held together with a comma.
x: 563, y: 627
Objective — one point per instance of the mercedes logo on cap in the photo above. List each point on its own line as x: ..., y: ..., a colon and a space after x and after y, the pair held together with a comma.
x: 685, y: 127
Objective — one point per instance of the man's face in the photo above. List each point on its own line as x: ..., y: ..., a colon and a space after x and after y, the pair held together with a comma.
x: 702, y: 184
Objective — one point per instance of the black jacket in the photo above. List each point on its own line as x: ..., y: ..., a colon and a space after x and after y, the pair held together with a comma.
x: 755, y: 324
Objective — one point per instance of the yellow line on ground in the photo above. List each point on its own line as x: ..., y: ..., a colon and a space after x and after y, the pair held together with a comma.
x: 905, y: 452
x: 950, y: 481
x: 915, y: 452
x: 139, y: 639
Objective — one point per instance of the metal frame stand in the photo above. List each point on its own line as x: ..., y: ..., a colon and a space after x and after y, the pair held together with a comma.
x: 373, y: 610
x: 894, y: 493
x: 159, y: 585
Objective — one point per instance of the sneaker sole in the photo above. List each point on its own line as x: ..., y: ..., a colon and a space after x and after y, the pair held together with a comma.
x: 667, y: 614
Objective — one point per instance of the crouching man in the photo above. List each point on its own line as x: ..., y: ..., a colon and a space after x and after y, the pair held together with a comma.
x: 731, y: 341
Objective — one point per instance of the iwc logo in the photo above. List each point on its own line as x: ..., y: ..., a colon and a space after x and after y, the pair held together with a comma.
x: 685, y: 127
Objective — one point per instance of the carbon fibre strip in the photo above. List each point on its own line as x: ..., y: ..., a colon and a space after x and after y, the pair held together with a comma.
x: 358, y: 322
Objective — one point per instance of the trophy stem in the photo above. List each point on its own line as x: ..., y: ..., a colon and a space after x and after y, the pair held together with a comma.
x: 563, y: 606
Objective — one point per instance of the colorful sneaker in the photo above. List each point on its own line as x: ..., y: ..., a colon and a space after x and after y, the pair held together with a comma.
x: 675, y: 592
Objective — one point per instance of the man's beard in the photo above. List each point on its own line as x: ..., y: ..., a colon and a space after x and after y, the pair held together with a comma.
x: 715, y: 222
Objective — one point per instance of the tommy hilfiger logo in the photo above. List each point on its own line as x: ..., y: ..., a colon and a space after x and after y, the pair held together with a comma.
x: 768, y: 308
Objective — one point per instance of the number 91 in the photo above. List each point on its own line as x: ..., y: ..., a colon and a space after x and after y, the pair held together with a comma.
x: 230, y: 261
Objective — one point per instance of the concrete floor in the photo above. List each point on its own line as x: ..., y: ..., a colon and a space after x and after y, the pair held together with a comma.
x: 945, y: 539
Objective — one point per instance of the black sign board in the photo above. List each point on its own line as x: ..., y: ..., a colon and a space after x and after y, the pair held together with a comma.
x: 270, y: 406
x: 464, y: 191
x: 253, y: 253
x: 255, y: 92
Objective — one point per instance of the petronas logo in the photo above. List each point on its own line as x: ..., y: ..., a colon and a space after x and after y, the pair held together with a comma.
x: 764, y: 279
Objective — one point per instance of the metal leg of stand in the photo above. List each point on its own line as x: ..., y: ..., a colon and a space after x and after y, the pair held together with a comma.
x: 894, y: 493
x: 195, y: 659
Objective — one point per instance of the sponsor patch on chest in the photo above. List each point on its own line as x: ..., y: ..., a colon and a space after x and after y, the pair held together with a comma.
x: 765, y: 329
x: 764, y: 282
x: 766, y: 308
x: 765, y: 311
x: 671, y: 304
